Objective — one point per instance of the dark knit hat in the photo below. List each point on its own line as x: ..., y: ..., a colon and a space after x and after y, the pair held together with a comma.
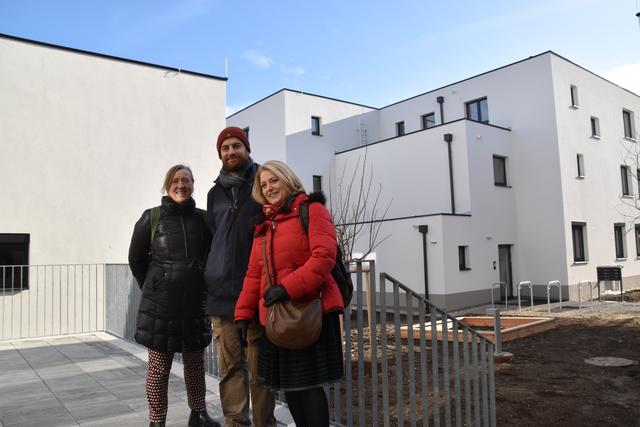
x: 231, y: 132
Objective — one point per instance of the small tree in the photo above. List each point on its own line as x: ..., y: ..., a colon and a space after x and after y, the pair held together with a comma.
x: 356, y: 208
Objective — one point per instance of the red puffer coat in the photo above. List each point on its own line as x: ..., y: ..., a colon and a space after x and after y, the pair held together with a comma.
x: 302, y: 263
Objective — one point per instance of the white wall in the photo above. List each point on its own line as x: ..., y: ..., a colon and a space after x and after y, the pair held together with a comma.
x: 85, y: 144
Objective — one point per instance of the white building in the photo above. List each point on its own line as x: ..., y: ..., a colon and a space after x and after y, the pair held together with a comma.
x: 86, y: 140
x: 537, y: 185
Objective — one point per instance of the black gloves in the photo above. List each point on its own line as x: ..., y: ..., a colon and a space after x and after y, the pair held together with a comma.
x: 241, y: 330
x: 274, y: 294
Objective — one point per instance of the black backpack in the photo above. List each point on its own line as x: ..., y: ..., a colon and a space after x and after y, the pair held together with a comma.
x: 339, y: 271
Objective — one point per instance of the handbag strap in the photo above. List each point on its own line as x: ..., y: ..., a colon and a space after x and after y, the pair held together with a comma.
x: 266, y: 260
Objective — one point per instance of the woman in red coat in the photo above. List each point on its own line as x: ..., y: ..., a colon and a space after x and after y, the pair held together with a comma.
x: 302, y: 264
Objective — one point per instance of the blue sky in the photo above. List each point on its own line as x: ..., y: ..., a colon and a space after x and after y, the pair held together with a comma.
x: 370, y: 52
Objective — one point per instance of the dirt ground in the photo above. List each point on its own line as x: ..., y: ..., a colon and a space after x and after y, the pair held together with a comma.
x: 548, y: 383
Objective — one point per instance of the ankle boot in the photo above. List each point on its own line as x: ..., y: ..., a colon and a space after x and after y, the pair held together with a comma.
x: 202, y: 419
x: 153, y: 424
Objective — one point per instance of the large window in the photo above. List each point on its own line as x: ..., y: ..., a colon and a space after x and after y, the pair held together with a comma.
x: 478, y: 110
x: 14, y: 251
x: 428, y: 120
x: 578, y: 236
x: 317, y: 183
x: 624, y: 178
x: 618, y: 234
x: 315, y: 125
x: 399, y: 128
x: 500, y: 171
x: 627, y: 121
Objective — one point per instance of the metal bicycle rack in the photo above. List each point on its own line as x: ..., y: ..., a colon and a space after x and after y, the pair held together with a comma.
x: 549, y: 286
x: 498, y: 285
x: 580, y: 284
x: 530, y: 285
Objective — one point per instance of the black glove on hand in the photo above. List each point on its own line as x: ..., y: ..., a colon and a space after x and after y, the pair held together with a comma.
x: 274, y: 294
x: 241, y: 330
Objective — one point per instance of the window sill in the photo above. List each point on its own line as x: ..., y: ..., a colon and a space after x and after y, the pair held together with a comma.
x: 596, y: 137
x: 621, y: 259
x: 465, y: 269
x: 627, y: 196
x: 627, y: 138
x: 503, y: 186
x: 580, y: 177
x: 580, y: 262
x: 574, y: 107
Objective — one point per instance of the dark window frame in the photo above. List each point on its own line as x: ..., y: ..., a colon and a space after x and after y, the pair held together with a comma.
x: 316, y: 122
x: 14, y: 251
x: 503, y: 169
x: 637, y: 232
x: 627, y: 123
x: 618, y: 236
x: 577, y: 238
x: 580, y: 161
x: 425, y: 122
x: 400, y: 130
x: 595, y: 127
x: 317, y: 183
x: 624, y: 178
x: 477, y: 105
x: 574, y: 95
x: 463, y: 261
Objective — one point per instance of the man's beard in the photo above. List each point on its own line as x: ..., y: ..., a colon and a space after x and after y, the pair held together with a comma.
x: 237, y: 167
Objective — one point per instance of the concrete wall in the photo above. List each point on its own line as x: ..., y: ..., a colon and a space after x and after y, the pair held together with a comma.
x: 86, y: 141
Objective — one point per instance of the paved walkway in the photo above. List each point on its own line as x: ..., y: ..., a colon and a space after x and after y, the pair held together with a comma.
x: 90, y: 379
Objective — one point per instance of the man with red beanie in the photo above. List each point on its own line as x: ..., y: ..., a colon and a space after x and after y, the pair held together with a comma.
x: 231, y: 210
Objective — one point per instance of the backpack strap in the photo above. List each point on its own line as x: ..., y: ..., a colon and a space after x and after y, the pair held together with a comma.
x: 154, y: 219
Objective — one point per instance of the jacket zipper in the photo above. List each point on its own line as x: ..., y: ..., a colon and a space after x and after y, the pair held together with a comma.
x: 184, y: 234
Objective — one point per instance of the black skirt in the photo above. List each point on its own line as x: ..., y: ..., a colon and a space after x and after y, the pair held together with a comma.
x: 315, y: 366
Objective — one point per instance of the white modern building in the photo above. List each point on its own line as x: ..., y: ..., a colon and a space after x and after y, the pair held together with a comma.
x: 85, y: 142
x: 523, y: 173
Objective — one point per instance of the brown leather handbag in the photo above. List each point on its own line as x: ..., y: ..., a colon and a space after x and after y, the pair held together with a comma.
x: 290, y: 324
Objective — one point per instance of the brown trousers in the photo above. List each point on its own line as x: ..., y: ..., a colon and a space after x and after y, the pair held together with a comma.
x: 239, y: 377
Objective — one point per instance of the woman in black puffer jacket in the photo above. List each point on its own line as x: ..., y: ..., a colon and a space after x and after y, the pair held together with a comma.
x: 168, y: 250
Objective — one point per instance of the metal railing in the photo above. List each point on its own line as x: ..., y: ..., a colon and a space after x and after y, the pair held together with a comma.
x: 406, y: 361
x: 46, y: 300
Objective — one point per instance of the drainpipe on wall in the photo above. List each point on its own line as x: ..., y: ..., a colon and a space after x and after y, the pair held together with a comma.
x: 423, y: 229
x: 448, y: 138
x: 440, y: 100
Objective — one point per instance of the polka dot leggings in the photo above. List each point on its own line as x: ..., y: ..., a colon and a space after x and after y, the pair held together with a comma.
x: 158, y: 370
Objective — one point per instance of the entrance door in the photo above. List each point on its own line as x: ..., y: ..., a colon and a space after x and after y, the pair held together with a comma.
x: 504, y: 262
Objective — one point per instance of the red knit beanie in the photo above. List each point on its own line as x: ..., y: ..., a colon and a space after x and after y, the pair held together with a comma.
x: 230, y: 132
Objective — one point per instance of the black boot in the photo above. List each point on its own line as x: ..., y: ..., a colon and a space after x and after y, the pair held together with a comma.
x: 202, y: 419
x: 160, y: 424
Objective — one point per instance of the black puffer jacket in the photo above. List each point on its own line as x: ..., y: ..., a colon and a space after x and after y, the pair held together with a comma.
x: 172, y: 315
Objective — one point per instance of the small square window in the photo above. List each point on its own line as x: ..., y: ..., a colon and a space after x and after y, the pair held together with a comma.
x: 627, y: 121
x: 637, y: 229
x: 14, y: 257
x: 500, y: 171
x: 317, y: 183
x: 399, y: 128
x: 618, y: 234
x: 574, y: 96
x: 578, y: 234
x: 478, y: 110
x: 246, y: 131
x: 595, y: 127
x: 624, y: 177
x: 428, y: 120
x: 580, y: 161
x: 463, y: 258
x: 315, y: 125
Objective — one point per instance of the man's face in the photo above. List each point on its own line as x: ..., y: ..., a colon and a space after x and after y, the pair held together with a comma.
x: 233, y: 154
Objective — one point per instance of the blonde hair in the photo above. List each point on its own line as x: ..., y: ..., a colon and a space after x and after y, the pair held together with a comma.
x: 281, y: 171
x: 168, y: 178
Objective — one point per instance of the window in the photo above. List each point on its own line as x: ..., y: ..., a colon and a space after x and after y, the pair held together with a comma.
x: 595, y: 127
x: 580, y: 160
x: 478, y: 110
x: 428, y: 120
x: 246, y: 131
x: 618, y: 234
x: 500, y: 171
x: 463, y: 258
x: 578, y: 237
x: 574, y: 96
x: 399, y: 128
x: 317, y: 183
x: 638, y: 180
x: 315, y: 125
x: 637, y: 228
x: 627, y: 121
x: 14, y: 250
x: 624, y: 176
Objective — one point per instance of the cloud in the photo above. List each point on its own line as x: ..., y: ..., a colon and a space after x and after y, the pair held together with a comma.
x: 627, y: 76
x: 259, y: 59
x: 295, y: 71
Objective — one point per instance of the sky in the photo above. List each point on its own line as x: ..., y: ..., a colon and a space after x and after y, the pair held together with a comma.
x: 368, y: 52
